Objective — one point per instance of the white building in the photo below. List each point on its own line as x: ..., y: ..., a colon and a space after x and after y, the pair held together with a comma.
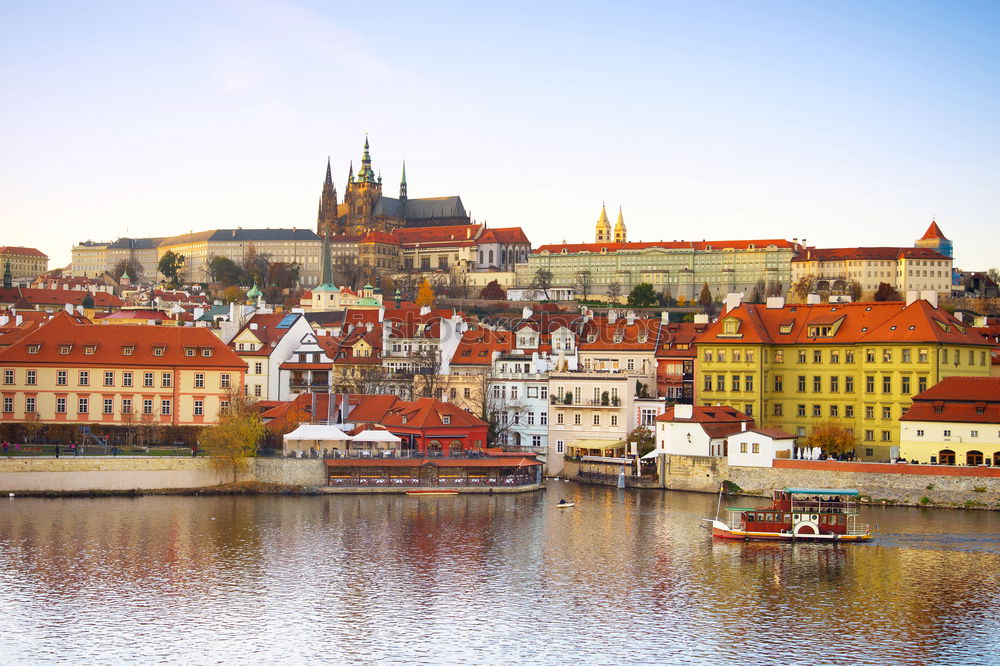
x: 758, y: 447
x: 688, y: 430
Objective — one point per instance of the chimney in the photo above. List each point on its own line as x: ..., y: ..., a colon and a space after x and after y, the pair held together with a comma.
x: 18, y: 320
x: 664, y: 318
x: 683, y: 411
x: 425, y: 310
x: 930, y: 296
x: 612, y: 316
x: 813, y: 299
x: 526, y: 312
x: 775, y: 302
x: 253, y: 326
x: 4, y: 319
x: 733, y: 301
x: 701, y: 318
x: 629, y: 318
x: 959, y: 315
x: 980, y: 321
x: 69, y: 308
x: 912, y: 297
x: 743, y: 426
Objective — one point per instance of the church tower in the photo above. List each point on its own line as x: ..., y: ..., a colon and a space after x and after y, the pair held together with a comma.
x: 327, y: 221
x: 934, y: 239
x: 603, y: 232
x: 620, y: 235
x: 363, y: 193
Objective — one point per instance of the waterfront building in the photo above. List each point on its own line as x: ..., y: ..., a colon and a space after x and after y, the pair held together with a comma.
x: 70, y: 371
x: 590, y: 413
x: 624, y: 343
x: 365, y: 208
x: 24, y: 262
x: 687, y: 430
x: 858, y: 364
x: 902, y: 268
x: 264, y: 343
x: 954, y: 422
x: 680, y: 267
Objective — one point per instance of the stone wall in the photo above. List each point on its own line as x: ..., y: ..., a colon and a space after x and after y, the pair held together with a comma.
x: 104, y: 474
x: 290, y: 471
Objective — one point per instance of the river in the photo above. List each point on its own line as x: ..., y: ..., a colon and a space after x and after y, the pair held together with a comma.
x: 624, y: 577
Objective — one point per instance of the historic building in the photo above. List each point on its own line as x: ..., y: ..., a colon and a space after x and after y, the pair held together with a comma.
x: 24, y: 262
x: 956, y: 421
x: 934, y: 239
x: 365, y: 208
x: 857, y: 364
x: 602, y: 233
x: 902, y: 268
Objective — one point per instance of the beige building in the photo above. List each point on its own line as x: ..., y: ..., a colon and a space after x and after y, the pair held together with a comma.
x: 590, y: 413
x: 25, y: 262
x: 903, y: 268
x: 93, y: 259
x: 70, y: 371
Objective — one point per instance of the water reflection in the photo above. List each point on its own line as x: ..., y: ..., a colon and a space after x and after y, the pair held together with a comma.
x: 624, y: 577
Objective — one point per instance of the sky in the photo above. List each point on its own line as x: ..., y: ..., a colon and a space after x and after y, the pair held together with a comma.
x: 844, y: 123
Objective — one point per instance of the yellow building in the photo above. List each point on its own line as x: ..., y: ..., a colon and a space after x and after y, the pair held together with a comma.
x: 70, y: 371
x: 25, y: 262
x: 858, y: 365
x: 954, y: 422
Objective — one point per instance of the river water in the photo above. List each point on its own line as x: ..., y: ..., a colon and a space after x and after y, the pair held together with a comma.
x: 624, y: 577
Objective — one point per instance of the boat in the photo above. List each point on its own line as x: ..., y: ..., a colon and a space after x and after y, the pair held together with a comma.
x: 430, y: 492
x: 797, y: 514
x: 565, y: 505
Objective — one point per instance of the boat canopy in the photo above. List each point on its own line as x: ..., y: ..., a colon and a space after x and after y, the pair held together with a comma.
x: 821, y: 491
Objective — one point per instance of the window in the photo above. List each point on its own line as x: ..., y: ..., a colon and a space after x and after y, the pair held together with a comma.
x: 817, y: 356
x: 158, y: 351
x: 199, y: 407
x: 748, y: 383
x: 446, y: 419
x: 834, y: 411
x: 817, y: 410
x: 887, y: 356
x: 886, y: 413
x: 258, y: 391
x: 748, y: 408
x: 8, y: 376
x: 722, y: 356
x: 109, y: 378
x: 778, y: 384
x: 779, y: 356
x: 849, y: 411
x: 848, y: 357
x: 848, y: 384
x: 189, y: 351
x: 922, y: 356
x: 60, y: 405
x: 944, y: 355
x: 835, y: 357
x: 920, y: 433
x: 973, y: 433
x: 530, y: 418
x: 466, y: 393
x: 801, y: 410
x: 224, y: 408
x: 869, y: 412
x: 560, y: 447
x: 614, y: 419
x: 802, y: 356
x: 258, y: 368
x: 147, y: 406
x: 802, y: 384
x: 708, y: 355
x: 947, y: 433
x: 31, y: 377
x: 559, y: 418
x: 736, y: 382
x: 147, y: 379
x: 199, y: 380
x: 776, y: 409
x: 83, y: 405
x: 869, y: 356
x: 8, y: 404
x: 597, y: 419
x: 544, y: 393
x: 708, y: 382
x: 84, y: 378
x: 870, y: 452
x: 29, y: 405
x: 630, y: 364
x: 109, y: 406
x: 749, y: 355
x: 743, y: 447
x: 577, y: 419
x: 126, y: 379
x: 756, y: 449
x: 921, y: 384
x: 817, y: 384
x: 834, y: 384
x: 127, y: 351
x: 720, y: 382
x: 166, y: 379
x: 206, y: 352
x: 64, y: 349
x: 869, y: 383
x: 224, y: 380
x: 536, y: 440
x: 543, y: 418
x: 886, y: 383
x: 126, y: 405
x: 904, y: 385
x: 907, y: 353
x: 869, y: 437
x: 886, y: 436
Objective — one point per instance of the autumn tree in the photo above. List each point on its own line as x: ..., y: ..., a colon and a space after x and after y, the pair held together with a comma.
x: 289, y: 421
x: 170, y: 267
x: 492, y: 292
x: 425, y: 295
x: 886, y: 292
x: 233, y: 295
x: 644, y: 439
x: 32, y: 424
x: 802, y: 287
x: 833, y: 438
x: 642, y: 296
x: 232, y: 442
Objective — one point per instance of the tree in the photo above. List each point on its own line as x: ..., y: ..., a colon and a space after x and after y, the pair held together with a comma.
x: 774, y: 289
x: 802, y: 287
x: 233, y: 295
x: 705, y: 297
x: 133, y: 267
x: 425, y: 295
x: 170, y: 267
x: 255, y: 265
x: 495, y: 407
x: 349, y: 271
x: 642, y: 296
x: 224, y: 271
x: 543, y: 281
x: 289, y: 421
x: 667, y: 298
x: 757, y: 295
x: 993, y: 274
x: 614, y: 291
x: 283, y: 274
x: 886, y: 292
x: 584, y: 279
x: 644, y: 438
x: 854, y: 290
x: 233, y: 441
x: 833, y: 438
x: 492, y: 292
x: 32, y: 424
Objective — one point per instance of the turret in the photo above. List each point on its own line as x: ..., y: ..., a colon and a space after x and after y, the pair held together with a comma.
x: 620, y: 235
x: 603, y: 231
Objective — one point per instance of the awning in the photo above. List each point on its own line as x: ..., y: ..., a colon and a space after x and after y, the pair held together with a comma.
x: 602, y: 444
x: 820, y: 491
x: 651, y: 454
x: 309, y: 431
x: 376, y: 436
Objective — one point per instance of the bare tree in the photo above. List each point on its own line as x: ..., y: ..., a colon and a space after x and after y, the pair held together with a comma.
x: 802, y: 287
x: 349, y: 271
x: 491, y: 402
x: 584, y: 279
x: 363, y: 378
x: 614, y: 291
x: 543, y: 281
x: 256, y: 264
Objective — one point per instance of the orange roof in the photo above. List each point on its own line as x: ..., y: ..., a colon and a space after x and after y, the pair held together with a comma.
x: 759, y: 244
x: 641, y: 335
x: 141, y: 345
x: 58, y: 297
x: 370, y: 408
x: 710, y: 414
x: 23, y: 251
x: 933, y: 232
x: 379, y: 237
x: 963, y: 389
x: 428, y: 413
x: 461, y: 234
x: 477, y: 347
x: 504, y: 235
x: 889, y: 321
x: 867, y: 253
x: 436, y: 462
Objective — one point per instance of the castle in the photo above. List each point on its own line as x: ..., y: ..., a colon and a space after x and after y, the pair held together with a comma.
x: 365, y: 208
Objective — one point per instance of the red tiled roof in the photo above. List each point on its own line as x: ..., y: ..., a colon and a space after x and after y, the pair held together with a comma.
x: 58, y: 297
x: 23, y: 251
x: 436, y: 462
x: 866, y: 253
x: 773, y: 433
x: 504, y: 235
x: 707, y: 414
x: 622, y: 336
x: 667, y: 245
x: 953, y: 412
x: 462, y: 234
x: 107, y: 345
x: 933, y: 232
x: 477, y: 347
x: 428, y: 413
x: 963, y: 389
x: 379, y: 237
x: 370, y: 408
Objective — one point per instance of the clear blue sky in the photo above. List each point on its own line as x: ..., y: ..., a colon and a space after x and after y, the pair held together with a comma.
x: 845, y: 123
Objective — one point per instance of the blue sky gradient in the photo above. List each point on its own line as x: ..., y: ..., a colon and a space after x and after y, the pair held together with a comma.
x: 845, y: 123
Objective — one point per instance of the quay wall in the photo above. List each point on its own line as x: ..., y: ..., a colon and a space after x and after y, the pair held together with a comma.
x: 909, y: 485
x: 290, y: 471
x: 105, y: 474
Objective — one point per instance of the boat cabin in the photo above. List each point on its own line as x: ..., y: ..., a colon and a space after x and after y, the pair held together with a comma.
x: 801, y: 512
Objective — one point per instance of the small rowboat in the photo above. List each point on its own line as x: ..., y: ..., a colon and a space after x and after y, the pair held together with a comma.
x: 431, y: 492
x: 566, y: 505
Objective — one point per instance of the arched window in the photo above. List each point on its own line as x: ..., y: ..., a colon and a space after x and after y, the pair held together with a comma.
x: 480, y: 256
x: 491, y: 257
x: 946, y: 457
x: 974, y: 458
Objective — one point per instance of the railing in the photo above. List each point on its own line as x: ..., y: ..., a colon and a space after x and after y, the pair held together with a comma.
x: 631, y: 480
x: 513, y: 481
x: 396, y: 454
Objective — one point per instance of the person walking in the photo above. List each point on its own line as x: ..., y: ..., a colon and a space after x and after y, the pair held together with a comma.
x: 72, y: 447
x: 6, y: 448
x: 57, y: 449
x: 194, y: 450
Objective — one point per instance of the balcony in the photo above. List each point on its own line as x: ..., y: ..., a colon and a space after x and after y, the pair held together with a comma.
x: 305, y: 384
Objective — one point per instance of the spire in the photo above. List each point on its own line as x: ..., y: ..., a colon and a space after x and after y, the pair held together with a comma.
x: 402, y: 184
x: 329, y: 176
x: 327, y: 265
x: 350, y: 174
x: 366, y: 174
x: 603, y: 230
x: 326, y: 219
x: 620, y: 235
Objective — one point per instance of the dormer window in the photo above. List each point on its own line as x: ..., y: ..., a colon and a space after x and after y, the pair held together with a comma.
x: 446, y: 419
x: 206, y: 352
x: 159, y: 351
x: 89, y: 350
x: 404, y: 418
x: 33, y: 349
x: 64, y: 349
x: 189, y: 351
x: 127, y: 351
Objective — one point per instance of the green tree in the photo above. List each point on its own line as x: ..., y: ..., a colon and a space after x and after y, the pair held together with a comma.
x: 832, y: 437
x: 886, y: 292
x: 224, y: 271
x: 642, y: 296
x: 170, y: 266
x: 644, y: 438
x: 705, y: 297
x: 232, y: 442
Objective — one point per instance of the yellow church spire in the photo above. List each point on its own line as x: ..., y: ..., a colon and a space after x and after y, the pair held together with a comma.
x: 620, y: 235
x: 603, y: 231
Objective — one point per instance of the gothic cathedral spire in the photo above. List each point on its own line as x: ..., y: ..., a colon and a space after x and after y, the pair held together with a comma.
x: 402, y: 184
x: 620, y: 235
x: 603, y: 230
x: 326, y: 222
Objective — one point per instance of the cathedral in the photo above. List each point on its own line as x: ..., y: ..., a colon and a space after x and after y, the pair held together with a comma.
x: 365, y: 208
x: 602, y: 233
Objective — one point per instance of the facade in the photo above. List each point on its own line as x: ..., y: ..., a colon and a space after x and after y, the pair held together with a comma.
x: 686, y: 430
x: 903, y: 268
x: 93, y: 259
x: 500, y: 250
x: 856, y: 364
x: 25, y: 262
x: 680, y: 267
x: 758, y: 447
x: 365, y: 208
x: 70, y: 371
x: 264, y: 343
x: 590, y: 413
x: 623, y: 344
x: 934, y: 239
x: 954, y: 422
